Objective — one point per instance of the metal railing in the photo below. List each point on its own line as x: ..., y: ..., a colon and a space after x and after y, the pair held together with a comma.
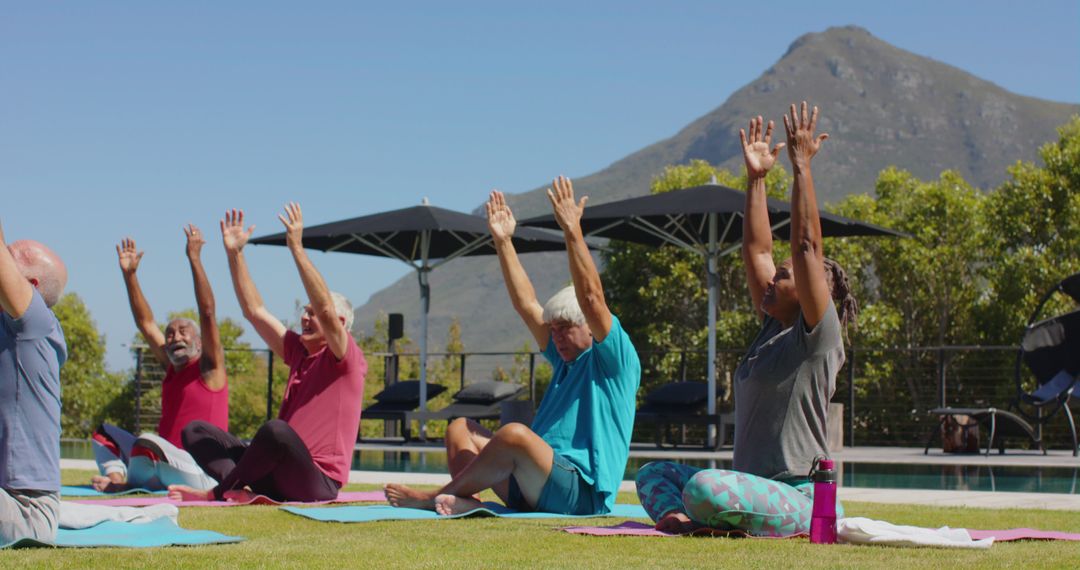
x: 886, y: 392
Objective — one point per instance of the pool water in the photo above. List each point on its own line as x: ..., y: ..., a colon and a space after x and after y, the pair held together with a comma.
x: 869, y: 475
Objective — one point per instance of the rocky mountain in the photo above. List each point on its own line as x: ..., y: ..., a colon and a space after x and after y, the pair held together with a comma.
x: 881, y: 106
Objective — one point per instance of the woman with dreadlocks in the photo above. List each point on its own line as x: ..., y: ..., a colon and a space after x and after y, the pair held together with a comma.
x: 784, y: 382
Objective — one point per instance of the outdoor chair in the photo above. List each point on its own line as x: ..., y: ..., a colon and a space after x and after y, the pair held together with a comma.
x: 1050, y: 349
x: 478, y: 401
x: 682, y: 404
x: 399, y: 402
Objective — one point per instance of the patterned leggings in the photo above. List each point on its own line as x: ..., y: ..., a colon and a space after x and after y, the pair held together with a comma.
x: 727, y: 500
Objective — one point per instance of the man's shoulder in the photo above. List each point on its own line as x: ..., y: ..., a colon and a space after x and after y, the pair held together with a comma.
x: 38, y: 320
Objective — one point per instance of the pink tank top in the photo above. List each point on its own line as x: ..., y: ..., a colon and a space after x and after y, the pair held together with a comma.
x: 185, y: 398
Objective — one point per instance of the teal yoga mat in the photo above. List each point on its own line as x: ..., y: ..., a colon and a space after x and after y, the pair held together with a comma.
x: 162, y: 532
x: 372, y: 513
x: 88, y: 491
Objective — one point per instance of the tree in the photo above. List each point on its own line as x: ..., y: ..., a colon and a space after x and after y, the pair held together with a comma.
x: 87, y: 388
x: 1035, y: 240
x: 660, y: 294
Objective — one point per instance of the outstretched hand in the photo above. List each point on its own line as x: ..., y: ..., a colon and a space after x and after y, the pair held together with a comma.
x: 195, y: 241
x: 500, y: 219
x: 233, y: 234
x: 567, y: 212
x: 759, y: 159
x: 129, y: 256
x: 802, y: 144
x: 294, y: 225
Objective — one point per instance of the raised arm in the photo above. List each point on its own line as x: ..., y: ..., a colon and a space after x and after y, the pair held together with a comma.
x: 212, y: 362
x: 807, y: 256
x: 322, y: 304
x: 15, y: 291
x: 235, y: 237
x: 587, y: 285
x: 130, y: 257
x: 757, y: 245
x: 501, y: 223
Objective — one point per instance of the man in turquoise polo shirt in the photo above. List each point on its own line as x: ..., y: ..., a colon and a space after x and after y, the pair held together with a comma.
x: 571, y: 460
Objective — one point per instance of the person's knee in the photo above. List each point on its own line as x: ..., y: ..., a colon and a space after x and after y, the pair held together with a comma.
x: 458, y: 428
x: 193, y: 432
x: 649, y: 472
x: 276, y: 430
x: 515, y: 435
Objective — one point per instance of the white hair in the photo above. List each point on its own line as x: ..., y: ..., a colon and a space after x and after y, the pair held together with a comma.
x: 191, y: 323
x: 343, y: 308
x: 563, y: 306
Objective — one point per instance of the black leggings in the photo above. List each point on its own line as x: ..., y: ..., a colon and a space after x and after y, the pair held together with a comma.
x: 276, y: 463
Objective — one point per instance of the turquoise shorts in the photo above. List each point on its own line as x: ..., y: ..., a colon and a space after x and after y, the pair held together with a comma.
x: 566, y: 492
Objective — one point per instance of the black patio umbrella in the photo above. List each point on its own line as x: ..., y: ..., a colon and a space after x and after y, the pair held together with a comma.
x: 424, y: 237
x: 699, y: 219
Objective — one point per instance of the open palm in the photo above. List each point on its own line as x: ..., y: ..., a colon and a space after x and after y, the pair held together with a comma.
x: 233, y: 234
x: 501, y: 220
x: 129, y: 256
x: 756, y: 153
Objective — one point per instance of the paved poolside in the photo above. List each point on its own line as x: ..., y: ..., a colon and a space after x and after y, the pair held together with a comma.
x: 895, y: 455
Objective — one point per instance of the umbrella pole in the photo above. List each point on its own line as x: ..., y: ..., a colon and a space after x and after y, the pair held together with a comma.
x: 425, y: 303
x: 711, y: 281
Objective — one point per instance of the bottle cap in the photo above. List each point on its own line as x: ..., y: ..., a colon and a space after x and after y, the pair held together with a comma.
x: 823, y: 470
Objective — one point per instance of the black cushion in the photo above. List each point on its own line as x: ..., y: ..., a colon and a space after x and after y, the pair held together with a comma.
x: 679, y: 394
x: 487, y: 392
x: 407, y: 391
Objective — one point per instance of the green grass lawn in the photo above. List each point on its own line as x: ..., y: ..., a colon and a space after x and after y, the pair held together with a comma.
x: 278, y: 539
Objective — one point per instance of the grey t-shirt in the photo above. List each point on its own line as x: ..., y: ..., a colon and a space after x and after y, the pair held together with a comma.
x: 32, y: 350
x: 782, y: 391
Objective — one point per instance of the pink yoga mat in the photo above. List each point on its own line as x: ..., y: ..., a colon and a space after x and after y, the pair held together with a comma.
x: 344, y: 497
x: 1022, y: 534
x: 631, y: 528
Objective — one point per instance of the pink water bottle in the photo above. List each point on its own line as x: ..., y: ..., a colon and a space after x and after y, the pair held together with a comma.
x: 823, y: 520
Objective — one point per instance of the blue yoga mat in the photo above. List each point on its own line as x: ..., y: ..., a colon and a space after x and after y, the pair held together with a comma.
x: 88, y: 491
x: 162, y: 532
x: 387, y: 513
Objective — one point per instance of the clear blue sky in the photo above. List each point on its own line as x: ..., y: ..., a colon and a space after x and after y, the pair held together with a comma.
x: 128, y: 118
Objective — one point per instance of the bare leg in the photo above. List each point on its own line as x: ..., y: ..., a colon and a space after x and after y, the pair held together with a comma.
x: 185, y: 493
x: 514, y: 450
x: 465, y: 439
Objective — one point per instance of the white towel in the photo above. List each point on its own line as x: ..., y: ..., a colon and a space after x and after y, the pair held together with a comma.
x: 77, y: 515
x: 860, y: 530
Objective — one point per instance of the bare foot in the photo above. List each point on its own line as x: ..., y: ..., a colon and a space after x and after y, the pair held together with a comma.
x: 447, y: 505
x: 675, y: 523
x: 405, y: 496
x: 240, y: 496
x: 108, y: 484
x: 185, y: 493
x: 99, y: 482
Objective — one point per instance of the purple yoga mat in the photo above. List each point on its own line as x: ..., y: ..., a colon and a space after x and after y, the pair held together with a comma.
x: 631, y: 528
x: 344, y: 497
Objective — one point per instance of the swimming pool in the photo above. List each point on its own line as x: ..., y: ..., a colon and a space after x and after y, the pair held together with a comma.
x: 1008, y: 478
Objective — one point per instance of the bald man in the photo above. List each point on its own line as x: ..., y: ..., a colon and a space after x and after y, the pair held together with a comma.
x: 32, y: 350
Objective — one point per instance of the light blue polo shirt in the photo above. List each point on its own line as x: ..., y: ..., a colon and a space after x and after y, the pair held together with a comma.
x: 32, y: 350
x: 587, y: 414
